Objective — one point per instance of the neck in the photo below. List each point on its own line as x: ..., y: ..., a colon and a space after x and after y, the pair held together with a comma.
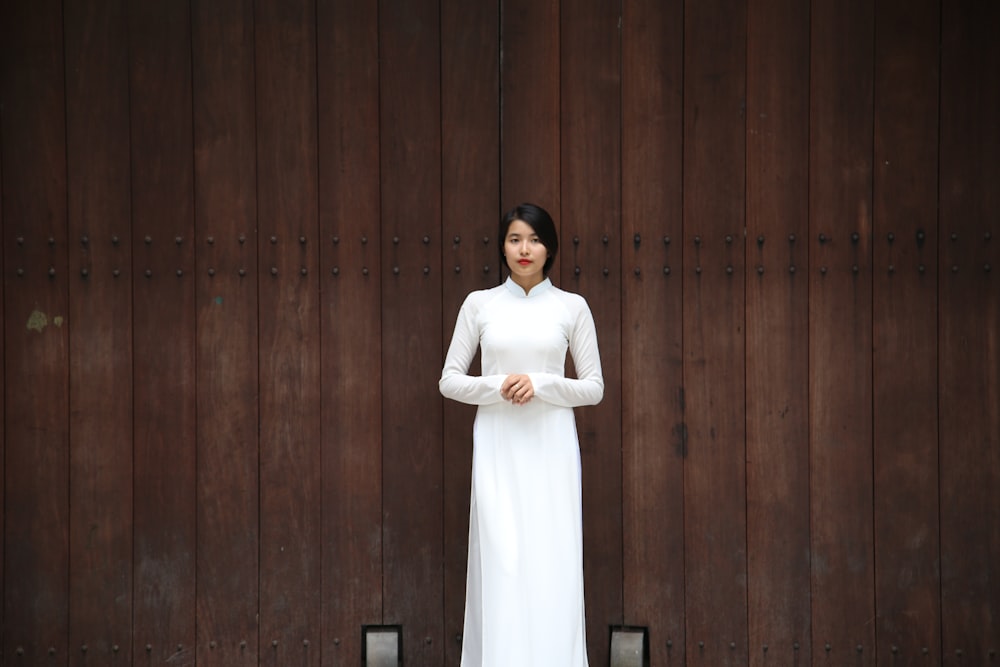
x: 527, y: 284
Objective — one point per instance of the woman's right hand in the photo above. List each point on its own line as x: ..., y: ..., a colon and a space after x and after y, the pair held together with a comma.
x: 517, y: 389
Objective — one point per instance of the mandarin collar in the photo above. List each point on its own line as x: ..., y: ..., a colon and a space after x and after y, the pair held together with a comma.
x: 518, y: 291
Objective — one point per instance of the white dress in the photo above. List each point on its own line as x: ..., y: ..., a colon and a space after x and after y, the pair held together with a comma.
x: 524, y: 591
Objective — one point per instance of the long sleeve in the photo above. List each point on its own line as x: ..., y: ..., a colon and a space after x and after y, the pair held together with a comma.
x: 455, y: 382
x: 588, y: 387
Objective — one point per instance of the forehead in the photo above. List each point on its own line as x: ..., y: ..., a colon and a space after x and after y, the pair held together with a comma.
x: 520, y: 228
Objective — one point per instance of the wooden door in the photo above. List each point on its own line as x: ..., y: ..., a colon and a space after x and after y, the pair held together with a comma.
x: 236, y: 236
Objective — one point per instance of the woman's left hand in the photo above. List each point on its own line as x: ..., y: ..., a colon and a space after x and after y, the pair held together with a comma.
x: 517, y: 389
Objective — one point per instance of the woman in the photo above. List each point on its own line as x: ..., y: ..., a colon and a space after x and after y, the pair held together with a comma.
x: 524, y: 591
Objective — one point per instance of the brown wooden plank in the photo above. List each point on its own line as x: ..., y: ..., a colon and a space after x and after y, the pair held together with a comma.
x: 100, y: 378
x: 225, y: 223
x: 289, y: 333
x: 652, y: 411
x: 347, y: 52
x: 904, y: 306
x: 714, y: 470
x: 36, y: 522
x: 163, y: 331
x: 410, y: 117
x: 590, y: 128
x: 777, y: 344
x: 969, y: 328
x: 530, y: 165
x: 470, y: 209
x: 840, y: 338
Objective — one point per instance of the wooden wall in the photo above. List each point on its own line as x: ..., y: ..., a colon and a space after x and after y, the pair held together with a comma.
x: 236, y: 234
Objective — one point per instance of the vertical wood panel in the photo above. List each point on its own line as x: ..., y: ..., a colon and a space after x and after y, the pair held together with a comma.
x: 840, y: 360
x: 289, y: 333
x: 100, y: 380
x: 714, y: 473
x: 591, y: 204
x: 225, y: 224
x: 347, y: 50
x: 410, y: 112
x: 470, y: 209
x: 777, y: 343
x: 653, y: 433
x: 907, y: 582
x: 163, y: 331
x: 969, y: 322
x: 36, y: 402
x: 530, y: 64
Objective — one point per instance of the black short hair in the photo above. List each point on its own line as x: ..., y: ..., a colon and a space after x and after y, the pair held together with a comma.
x: 540, y: 221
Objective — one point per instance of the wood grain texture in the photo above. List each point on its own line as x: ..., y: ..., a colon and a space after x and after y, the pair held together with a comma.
x: 163, y: 292
x: 289, y: 333
x: 714, y: 346
x: 653, y: 431
x: 904, y: 332
x: 351, y: 309
x: 410, y: 110
x: 969, y: 318
x: 530, y: 105
x: 227, y: 347
x: 840, y: 338
x: 777, y: 335
x: 100, y: 340
x: 36, y: 362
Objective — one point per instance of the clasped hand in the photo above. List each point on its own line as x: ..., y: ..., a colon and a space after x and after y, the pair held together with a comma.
x: 517, y: 389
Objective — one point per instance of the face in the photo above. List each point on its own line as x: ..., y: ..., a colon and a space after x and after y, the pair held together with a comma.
x: 525, y: 253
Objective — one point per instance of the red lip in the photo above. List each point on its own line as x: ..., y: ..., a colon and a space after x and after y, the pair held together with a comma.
x: 524, y: 262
